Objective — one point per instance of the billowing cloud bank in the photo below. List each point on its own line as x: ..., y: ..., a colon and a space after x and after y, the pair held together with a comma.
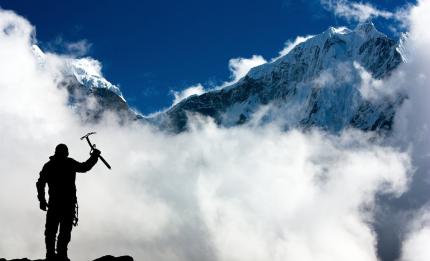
x: 413, y: 126
x: 208, y: 194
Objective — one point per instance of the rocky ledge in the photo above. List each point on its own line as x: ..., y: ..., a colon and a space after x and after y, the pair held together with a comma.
x: 104, y: 258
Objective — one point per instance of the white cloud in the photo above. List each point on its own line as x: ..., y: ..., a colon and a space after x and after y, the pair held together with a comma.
x: 415, y: 245
x: 357, y: 11
x: 88, y: 65
x: 207, y: 194
x: 289, y: 45
x: 192, y: 196
x: 192, y: 90
x: 296, y: 209
x: 370, y: 88
x: 412, y: 78
x: 342, y: 73
x: 239, y: 67
x: 79, y: 48
x: 411, y: 126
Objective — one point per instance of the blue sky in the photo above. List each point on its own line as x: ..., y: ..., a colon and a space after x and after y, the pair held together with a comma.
x: 151, y: 48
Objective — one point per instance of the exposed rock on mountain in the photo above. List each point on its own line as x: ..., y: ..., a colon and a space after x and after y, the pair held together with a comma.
x: 319, y: 83
x: 90, y: 94
x: 91, y: 103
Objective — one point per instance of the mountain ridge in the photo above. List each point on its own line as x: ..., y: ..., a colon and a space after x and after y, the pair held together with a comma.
x: 90, y: 94
x: 316, y: 84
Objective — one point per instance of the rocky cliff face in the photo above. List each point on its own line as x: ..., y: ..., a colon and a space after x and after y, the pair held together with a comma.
x: 317, y: 84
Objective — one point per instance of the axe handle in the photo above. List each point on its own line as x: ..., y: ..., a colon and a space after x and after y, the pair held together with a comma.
x: 104, y: 161
x: 100, y: 156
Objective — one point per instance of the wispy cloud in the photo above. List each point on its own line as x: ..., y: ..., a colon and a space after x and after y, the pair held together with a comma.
x: 356, y: 11
x: 289, y: 45
x: 239, y: 67
x: 187, y: 92
x: 79, y: 48
x: 73, y: 48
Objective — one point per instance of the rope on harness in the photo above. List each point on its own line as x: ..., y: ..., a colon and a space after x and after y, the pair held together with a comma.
x: 76, y: 217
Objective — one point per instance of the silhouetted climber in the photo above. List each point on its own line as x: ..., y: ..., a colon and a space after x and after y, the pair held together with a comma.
x: 60, y: 174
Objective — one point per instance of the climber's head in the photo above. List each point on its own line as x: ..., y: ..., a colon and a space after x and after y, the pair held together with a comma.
x: 61, y: 151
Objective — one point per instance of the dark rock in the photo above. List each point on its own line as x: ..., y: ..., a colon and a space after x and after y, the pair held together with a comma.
x: 22, y: 259
x: 112, y: 258
x: 91, y: 103
x: 103, y: 258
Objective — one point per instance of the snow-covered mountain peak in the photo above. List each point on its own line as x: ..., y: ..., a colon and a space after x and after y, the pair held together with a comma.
x: 401, y: 46
x: 37, y: 52
x: 39, y: 55
x: 365, y: 27
x: 367, y: 30
x: 332, y: 46
x: 86, y: 71
x: 90, y: 95
x: 316, y: 84
x: 339, y: 30
x: 332, y: 32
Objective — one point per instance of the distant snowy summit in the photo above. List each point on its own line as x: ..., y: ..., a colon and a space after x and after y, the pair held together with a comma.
x: 86, y: 71
x: 319, y: 83
x: 90, y: 94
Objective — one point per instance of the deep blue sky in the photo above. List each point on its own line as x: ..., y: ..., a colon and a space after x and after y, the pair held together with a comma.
x: 152, y: 47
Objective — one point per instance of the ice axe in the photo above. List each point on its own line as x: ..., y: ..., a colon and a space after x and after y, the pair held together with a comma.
x: 93, y: 146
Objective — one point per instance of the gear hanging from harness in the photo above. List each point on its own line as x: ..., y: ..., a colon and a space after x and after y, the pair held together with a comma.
x: 76, y: 217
